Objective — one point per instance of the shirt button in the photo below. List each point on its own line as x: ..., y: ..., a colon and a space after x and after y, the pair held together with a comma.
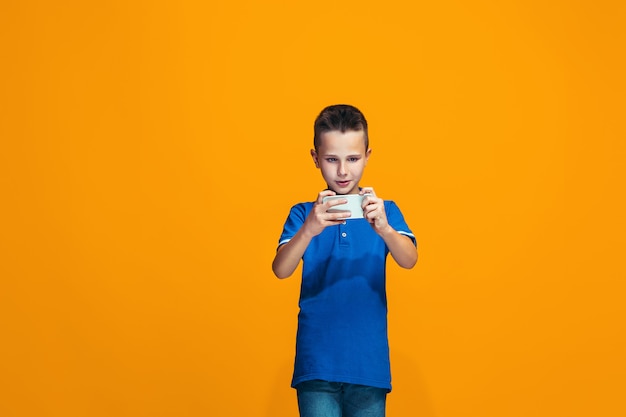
x: 344, y: 222
x: 344, y: 234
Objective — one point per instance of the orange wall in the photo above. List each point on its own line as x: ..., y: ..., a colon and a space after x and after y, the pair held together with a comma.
x: 151, y: 151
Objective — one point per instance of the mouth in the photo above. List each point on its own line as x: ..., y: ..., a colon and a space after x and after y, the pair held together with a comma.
x: 343, y: 184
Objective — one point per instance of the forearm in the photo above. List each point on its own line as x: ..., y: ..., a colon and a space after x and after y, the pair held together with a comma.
x: 289, y: 255
x: 401, y: 248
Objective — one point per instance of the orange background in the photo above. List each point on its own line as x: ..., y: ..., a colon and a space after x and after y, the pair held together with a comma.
x: 151, y: 150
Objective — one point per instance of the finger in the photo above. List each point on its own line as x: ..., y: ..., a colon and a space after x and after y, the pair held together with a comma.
x: 335, y: 201
x: 367, y: 191
x: 337, y: 215
x: 374, y: 212
x: 370, y: 200
x: 340, y: 216
x: 322, y: 194
x: 335, y: 218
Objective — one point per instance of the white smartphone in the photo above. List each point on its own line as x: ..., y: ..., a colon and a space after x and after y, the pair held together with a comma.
x: 353, y: 204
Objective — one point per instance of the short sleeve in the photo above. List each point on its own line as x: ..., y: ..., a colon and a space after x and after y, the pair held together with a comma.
x: 295, y: 220
x: 396, y: 220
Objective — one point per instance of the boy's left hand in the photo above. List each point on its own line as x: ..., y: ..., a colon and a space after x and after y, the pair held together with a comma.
x: 374, y: 209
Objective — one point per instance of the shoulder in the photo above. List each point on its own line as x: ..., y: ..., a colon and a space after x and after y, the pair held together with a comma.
x: 392, y: 210
x: 391, y: 205
x: 295, y: 219
x: 300, y: 210
x: 301, y: 207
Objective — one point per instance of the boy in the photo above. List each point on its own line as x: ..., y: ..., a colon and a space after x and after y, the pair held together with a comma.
x: 342, y: 352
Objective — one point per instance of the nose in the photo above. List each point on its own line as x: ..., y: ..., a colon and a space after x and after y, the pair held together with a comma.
x: 341, y: 169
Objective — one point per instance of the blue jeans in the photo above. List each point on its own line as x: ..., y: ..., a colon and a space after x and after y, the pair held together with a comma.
x: 337, y: 399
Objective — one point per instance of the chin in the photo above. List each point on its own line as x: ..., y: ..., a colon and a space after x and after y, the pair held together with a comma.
x: 346, y: 192
x: 338, y: 192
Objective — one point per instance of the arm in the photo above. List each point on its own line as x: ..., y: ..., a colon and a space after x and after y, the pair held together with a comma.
x: 401, y: 247
x: 289, y: 254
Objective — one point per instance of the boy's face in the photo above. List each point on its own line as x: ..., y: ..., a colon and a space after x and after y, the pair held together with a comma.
x: 342, y: 158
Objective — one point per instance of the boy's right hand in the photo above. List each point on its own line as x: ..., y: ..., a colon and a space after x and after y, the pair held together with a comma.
x: 319, y: 217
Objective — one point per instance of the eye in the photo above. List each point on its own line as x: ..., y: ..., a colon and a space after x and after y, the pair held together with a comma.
x: 353, y: 159
x: 331, y: 159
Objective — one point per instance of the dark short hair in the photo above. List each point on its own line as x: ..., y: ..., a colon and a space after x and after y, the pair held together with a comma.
x: 340, y: 117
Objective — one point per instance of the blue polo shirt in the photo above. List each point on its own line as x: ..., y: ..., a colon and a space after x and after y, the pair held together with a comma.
x: 342, y: 324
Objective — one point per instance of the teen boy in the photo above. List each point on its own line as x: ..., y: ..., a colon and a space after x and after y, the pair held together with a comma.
x: 342, y: 352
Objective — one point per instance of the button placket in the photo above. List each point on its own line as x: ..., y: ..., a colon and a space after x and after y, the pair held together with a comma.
x: 343, y: 234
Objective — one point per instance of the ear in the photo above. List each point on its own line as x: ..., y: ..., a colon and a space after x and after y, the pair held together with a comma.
x: 367, y: 155
x: 315, y: 160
